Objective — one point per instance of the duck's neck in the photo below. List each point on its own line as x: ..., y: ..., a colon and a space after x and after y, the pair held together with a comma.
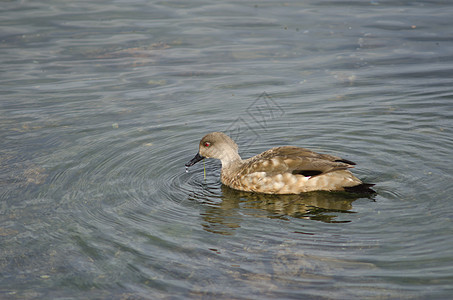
x: 230, y: 164
x: 230, y: 157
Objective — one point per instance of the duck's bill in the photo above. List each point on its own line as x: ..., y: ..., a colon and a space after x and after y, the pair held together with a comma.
x: 194, y: 160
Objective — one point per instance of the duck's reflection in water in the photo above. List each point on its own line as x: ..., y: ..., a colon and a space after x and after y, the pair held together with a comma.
x: 224, y: 216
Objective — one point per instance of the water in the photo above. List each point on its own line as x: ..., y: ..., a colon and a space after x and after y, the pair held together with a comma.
x: 102, y: 104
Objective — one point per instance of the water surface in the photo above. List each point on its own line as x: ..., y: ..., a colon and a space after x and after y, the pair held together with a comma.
x: 102, y: 104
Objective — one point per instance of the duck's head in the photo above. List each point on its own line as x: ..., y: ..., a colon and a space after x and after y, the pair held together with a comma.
x: 216, y: 145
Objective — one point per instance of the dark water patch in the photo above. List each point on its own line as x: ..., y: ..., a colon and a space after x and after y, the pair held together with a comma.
x: 103, y: 104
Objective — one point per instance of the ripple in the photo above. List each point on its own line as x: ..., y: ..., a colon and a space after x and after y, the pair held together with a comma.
x: 103, y: 106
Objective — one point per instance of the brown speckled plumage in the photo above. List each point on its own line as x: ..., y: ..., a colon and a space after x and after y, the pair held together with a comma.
x: 280, y: 170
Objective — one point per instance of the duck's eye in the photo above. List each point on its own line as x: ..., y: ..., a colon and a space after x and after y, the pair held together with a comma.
x: 207, y: 144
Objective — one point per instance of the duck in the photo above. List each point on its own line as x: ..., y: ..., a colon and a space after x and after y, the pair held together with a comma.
x: 279, y: 170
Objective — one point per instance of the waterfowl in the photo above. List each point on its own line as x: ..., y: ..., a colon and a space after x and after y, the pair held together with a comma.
x: 280, y: 170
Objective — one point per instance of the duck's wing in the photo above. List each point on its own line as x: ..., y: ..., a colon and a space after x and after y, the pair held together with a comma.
x: 295, y: 160
x: 292, y: 151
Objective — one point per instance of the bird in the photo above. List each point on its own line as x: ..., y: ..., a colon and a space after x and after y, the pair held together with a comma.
x: 279, y: 170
